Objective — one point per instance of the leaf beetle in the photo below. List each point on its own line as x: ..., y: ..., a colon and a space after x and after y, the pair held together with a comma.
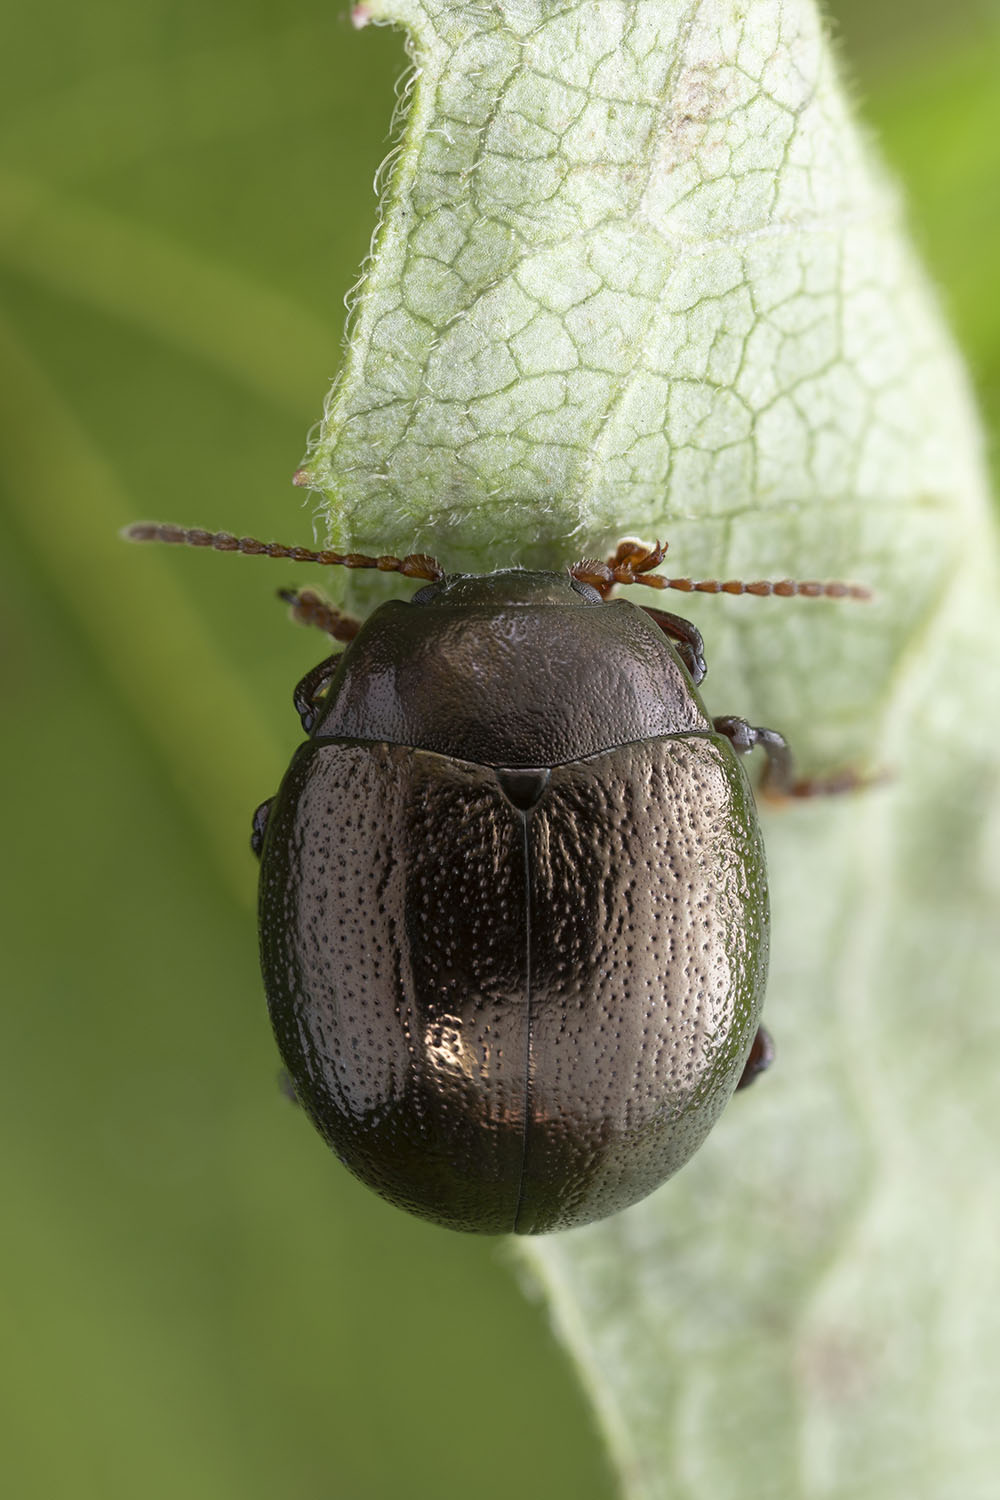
x: 513, y: 896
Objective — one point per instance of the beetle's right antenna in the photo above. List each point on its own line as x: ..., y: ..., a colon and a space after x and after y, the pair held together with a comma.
x: 416, y: 565
x: 633, y: 561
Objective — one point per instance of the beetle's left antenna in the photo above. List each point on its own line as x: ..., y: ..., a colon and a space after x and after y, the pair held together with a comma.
x: 415, y: 565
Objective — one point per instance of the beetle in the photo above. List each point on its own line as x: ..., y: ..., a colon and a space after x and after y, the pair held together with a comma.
x: 513, y: 898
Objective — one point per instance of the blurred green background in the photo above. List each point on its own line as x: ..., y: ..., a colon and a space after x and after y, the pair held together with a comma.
x: 197, y: 1300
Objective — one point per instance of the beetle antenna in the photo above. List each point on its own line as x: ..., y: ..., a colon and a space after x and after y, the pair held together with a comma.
x: 633, y: 561
x: 309, y: 608
x: 415, y: 565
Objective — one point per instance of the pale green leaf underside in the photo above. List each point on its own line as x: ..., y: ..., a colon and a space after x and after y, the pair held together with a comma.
x: 638, y: 272
x: 634, y: 266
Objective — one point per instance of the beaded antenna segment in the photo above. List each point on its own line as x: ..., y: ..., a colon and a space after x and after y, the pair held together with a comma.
x: 415, y: 565
x: 633, y: 563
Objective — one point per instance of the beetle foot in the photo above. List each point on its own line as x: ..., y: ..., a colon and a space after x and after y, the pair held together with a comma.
x: 760, y: 1059
x: 259, y: 826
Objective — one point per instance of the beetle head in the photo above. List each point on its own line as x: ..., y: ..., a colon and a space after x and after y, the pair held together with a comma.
x: 511, y: 586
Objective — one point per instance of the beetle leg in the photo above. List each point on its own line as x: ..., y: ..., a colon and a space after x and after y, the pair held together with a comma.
x: 779, y: 782
x: 690, y: 647
x: 760, y: 1059
x: 258, y: 826
x: 310, y: 608
x: 287, y: 1087
x: 744, y: 738
x: 309, y: 689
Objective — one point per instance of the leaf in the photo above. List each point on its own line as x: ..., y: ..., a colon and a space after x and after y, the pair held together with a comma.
x: 638, y: 271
